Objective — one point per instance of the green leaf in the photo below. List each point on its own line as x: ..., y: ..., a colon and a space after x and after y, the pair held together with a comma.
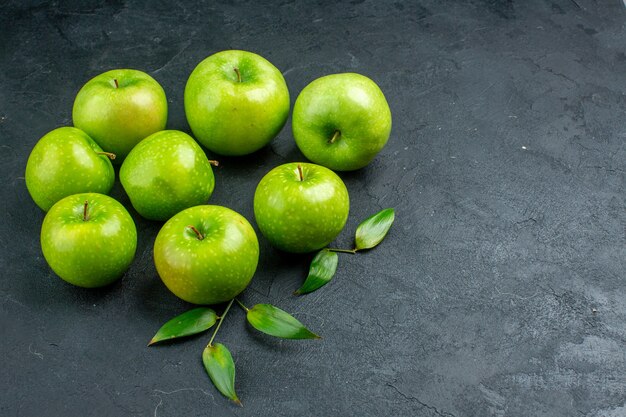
x: 219, y: 364
x: 192, y: 322
x: 322, y: 270
x: 276, y: 322
x: 374, y: 229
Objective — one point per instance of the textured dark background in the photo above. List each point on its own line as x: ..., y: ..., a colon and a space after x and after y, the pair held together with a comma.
x: 500, y: 289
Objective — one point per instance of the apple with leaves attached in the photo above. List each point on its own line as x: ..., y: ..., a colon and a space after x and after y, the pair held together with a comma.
x: 236, y: 102
x: 119, y: 108
x: 88, y: 239
x: 206, y: 254
x: 341, y: 121
x: 301, y: 207
x: 67, y: 161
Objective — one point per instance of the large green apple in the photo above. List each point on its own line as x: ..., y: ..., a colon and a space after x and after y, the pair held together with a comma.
x: 301, y: 207
x: 166, y: 173
x: 236, y: 102
x: 67, y: 161
x: 341, y: 121
x: 206, y: 254
x: 88, y: 239
x: 119, y: 108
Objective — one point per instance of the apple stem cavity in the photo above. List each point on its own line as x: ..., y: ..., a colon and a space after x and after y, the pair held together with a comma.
x: 85, y: 215
x: 109, y: 155
x: 352, y: 251
x: 214, y: 162
x: 117, y: 85
x: 222, y: 317
x: 300, y: 174
x: 335, y: 136
x: 199, y: 235
x: 238, y: 74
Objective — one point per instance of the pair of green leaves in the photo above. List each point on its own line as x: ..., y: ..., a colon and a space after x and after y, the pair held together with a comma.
x: 368, y: 235
x: 263, y: 317
x: 217, y: 360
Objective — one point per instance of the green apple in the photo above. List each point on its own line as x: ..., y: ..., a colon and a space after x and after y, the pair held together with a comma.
x: 301, y: 207
x: 166, y: 173
x: 341, y: 121
x: 67, y: 161
x: 119, y: 108
x: 88, y: 239
x: 236, y: 102
x: 206, y: 254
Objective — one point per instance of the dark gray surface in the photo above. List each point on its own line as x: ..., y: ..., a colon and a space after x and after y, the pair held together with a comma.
x: 500, y: 289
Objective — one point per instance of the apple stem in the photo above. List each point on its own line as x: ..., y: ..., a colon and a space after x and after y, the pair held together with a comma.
x: 214, y: 162
x: 246, y: 309
x: 85, y: 216
x: 335, y: 136
x: 300, y: 174
x: 110, y: 155
x: 117, y: 85
x: 238, y: 74
x: 222, y: 317
x: 197, y: 232
x: 352, y: 251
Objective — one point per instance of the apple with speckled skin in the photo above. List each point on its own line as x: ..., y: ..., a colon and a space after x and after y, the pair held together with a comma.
x: 236, y: 102
x: 119, y: 108
x: 301, y: 207
x: 166, y: 173
x: 341, y: 121
x: 206, y: 254
x: 67, y: 161
x: 89, y: 239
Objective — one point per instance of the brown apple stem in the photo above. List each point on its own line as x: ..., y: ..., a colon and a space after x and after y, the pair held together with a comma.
x: 300, y: 174
x: 197, y: 232
x: 85, y: 215
x: 117, y: 85
x: 335, y: 136
x: 238, y: 74
x: 214, y: 162
x: 110, y: 155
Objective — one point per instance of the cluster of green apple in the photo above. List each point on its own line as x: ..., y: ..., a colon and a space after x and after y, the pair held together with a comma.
x: 236, y: 102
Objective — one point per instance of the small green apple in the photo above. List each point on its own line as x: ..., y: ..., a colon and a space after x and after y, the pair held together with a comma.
x: 67, y: 161
x: 166, y: 173
x: 341, y: 121
x: 206, y: 254
x: 236, y: 102
x: 301, y: 207
x: 119, y: 108
x: 88, y: 239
